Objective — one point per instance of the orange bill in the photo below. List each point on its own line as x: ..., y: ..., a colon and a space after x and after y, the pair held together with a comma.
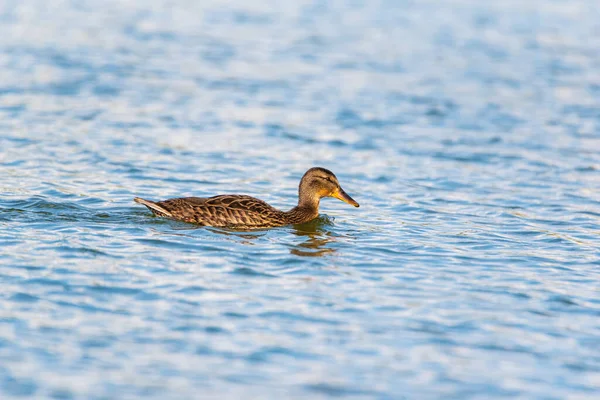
x: 343, y: 196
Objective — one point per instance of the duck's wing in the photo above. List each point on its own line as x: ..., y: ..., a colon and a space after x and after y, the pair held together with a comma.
x: 241, y: 210
x: 223, y: 210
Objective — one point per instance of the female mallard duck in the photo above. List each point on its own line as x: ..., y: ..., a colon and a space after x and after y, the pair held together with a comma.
x: 239, y: 211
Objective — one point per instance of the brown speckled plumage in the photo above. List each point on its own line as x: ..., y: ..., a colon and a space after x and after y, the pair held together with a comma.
x: 245, y: 212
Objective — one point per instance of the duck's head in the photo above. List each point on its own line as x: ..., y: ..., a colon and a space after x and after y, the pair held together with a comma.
x: 318, y: 183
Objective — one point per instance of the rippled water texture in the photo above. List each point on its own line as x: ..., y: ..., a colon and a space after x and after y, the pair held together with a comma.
x: 469, y: 132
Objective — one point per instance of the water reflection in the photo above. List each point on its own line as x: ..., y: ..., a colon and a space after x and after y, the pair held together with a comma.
x: 316, y: 232
x: 317, y: 238
x: 238, y: 236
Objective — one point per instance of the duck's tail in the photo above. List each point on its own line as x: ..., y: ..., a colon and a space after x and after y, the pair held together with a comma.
x: 154, y: 207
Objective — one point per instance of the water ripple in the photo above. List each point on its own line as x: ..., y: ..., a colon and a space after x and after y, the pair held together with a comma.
x: 467, y: 131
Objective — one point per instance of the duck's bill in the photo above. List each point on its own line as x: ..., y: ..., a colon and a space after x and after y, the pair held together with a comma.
x: 343, y: 196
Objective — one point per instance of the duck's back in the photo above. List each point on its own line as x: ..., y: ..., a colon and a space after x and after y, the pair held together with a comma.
x: 221, y: 211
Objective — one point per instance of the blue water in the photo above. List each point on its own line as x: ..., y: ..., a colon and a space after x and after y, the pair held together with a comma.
x: 468, y: 131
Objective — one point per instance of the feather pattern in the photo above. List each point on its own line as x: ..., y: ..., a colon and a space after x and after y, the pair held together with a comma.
x: 246, y: 212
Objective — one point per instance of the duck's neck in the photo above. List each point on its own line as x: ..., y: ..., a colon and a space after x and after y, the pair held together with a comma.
x: 306, y: 210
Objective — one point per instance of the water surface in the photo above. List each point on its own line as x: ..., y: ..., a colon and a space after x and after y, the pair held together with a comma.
x: 468, y: 131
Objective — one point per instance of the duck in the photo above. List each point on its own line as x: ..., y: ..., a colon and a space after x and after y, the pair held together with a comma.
x: 246, y: 212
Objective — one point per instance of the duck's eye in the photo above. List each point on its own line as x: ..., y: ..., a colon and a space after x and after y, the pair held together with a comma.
x: 327, y: 178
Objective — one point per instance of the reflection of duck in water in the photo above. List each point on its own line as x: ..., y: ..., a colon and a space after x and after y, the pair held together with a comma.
x: 315, y: 246
x: 245, y: 212
x: 317, y: 238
